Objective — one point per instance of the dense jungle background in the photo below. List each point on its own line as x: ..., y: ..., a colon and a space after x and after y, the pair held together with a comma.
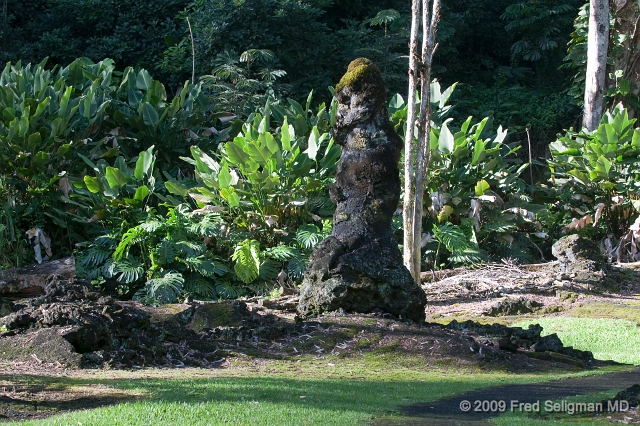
x: 184, y: 149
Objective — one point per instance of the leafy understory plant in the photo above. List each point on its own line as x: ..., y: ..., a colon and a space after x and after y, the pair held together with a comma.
x: 478, y: 207
x: 596, y: 174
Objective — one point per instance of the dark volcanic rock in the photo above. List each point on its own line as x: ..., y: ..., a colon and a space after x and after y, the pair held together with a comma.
x: 514, y: 338
x: 580, y: 258
x: 359, y: 267
x: 630, y: 394
x: 75, y: 325
x: 513, y: 306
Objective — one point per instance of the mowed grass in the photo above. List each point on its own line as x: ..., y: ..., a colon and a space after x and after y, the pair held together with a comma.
x: 313, y: 392
x: 607, y: 338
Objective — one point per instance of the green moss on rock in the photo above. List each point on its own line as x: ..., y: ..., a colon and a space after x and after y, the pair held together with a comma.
x: 360, y: 72
x: 215, y: 315
x: 46, y: 345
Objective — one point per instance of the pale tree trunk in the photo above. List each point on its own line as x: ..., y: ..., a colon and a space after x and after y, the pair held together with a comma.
x: 598, y: 43
x: 418, y: 155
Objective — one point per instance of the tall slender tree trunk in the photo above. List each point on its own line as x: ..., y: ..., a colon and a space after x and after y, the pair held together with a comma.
x: 598, y: 44
x: 627, y: 23
x: 417, y: 154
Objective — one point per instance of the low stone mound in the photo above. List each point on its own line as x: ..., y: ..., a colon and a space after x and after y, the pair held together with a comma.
x: 75, y: 325
x: 630, y: 394
x: 517, y: 339
x: 513, y: 306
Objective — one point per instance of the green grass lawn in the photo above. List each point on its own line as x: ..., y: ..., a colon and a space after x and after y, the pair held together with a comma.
x: 311, y: 392
x: 607, y: 338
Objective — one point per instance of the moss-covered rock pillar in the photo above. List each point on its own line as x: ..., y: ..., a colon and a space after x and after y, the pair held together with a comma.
x: 359, y: 267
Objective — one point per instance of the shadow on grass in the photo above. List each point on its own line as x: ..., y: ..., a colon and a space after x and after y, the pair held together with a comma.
x: 265, y: 400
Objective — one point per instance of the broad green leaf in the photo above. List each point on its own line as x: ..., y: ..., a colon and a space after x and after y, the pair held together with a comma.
x: 40, y: 160
x: 115, y: 178
x: 267, y: 140
x: 300, y: 125
x: 635, y: 141
x: 144, y: 80
x: 481, y: 187
x: 176, y: 188
x: 149, y: 114
x: 41, y: 107
x: 446, y: 142
x: 312, y: 150
x: 286, y: 134
x: 204, y: 163
x: 144, y: 163
x: 603, y: 166
x: 141, y: 193
x: 466, y: 124
x: 34, y: 140
x: 230, y: 196
x: 235, y: 153
x: 259, y: 153
x: 93, y: 184
x: 479, y: 153
x: 64, y: 102
x: 334, y: 112
x: 445, y: 213
x: 224, y: 177
x: 446, y: 95
x: 65, y: 151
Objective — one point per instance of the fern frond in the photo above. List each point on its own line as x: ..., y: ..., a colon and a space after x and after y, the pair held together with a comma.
x: 269, y: 269
x: 190, y: 249
x: 95, y: 256
x: 165, y: 253
x: 470, y: 256
x: 296, y: 267
x: 206, y: 267
x: 227, y: 290
x: 131, y: 237
x: 108, y: 270
x: 281, y: 252
x: 167, y: 288
x: 107, y: 241
x: 200, y: 287
x: 247, y: 258
x: 309, y: 235
x: 130, y: 270
x: 152, y: 226
x: 452, y: 236
x: 209, y: 225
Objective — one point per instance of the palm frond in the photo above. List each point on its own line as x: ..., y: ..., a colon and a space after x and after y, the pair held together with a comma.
x: 228, y: 290
x: 309, y: 235
x: 130, y: 270
x: 281, y: 252
x: 206, y: 267
x: 190, y: 249
x: 131, y: 237
x: 200, y: 287
x: 165, y: 289
x: 152, y: 226
x: 165, y: 253
x: 95, y: 256
x: 269, y: 269
x: 247, y: 258
x: 209, y: 225
x: 296, y: 267
x: 452, y: 236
